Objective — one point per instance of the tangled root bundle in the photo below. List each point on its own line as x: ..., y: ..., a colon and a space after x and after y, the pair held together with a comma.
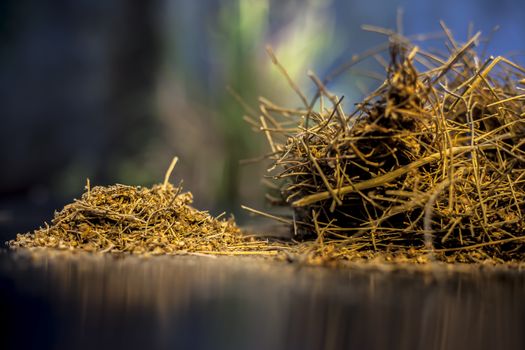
x: 431, y: 162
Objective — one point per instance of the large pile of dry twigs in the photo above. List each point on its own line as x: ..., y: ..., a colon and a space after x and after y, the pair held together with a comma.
x: 432, y: 163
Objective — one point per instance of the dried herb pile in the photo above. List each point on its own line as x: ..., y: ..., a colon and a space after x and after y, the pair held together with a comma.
x: 140, y: 220
x: 431, y: 164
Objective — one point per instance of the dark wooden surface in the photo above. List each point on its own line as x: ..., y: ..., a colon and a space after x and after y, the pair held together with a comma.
x: 64, y: 300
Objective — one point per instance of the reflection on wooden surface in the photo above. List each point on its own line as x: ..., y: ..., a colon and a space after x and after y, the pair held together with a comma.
x: 62, y: 300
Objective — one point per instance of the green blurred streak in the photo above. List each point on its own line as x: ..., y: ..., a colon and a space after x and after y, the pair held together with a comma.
x: 243, y: 22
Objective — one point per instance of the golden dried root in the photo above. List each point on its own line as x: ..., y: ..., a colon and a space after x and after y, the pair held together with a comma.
x: 431, y: 163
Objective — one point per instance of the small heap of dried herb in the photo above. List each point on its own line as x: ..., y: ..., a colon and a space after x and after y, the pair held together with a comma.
x: 141, y: 220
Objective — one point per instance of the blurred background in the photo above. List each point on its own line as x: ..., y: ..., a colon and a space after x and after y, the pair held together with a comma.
x: 112, y: 90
